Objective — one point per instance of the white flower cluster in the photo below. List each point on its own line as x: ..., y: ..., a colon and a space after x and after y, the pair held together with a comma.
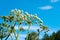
x: 26, y: 16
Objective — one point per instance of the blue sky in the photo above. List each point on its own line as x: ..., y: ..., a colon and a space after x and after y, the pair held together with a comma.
x: 47, y: 10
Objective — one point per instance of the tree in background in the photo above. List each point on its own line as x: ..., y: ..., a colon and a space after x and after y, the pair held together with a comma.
x: 46, y: 37
x: 54, y: 36
x: 57, y: 35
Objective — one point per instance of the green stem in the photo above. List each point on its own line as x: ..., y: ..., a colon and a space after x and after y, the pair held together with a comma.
x: 7, y: 37
x: 17, y: 36
x: 39, y: 34
x: 12, y: 37
x: 28, y: 29
x: 14, y: 34
x: 28, y: 32
x: 1, y: 38
x: 18, y: 33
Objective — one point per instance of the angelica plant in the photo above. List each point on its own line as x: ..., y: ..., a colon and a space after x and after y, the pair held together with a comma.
x: 19, y: 18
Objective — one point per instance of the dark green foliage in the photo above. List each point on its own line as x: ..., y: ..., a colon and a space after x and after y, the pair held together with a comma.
x: 46, y: 36
x: 58, y: 35
x: 54, y: 36
x: 3, y: 32
x: 32, y: 36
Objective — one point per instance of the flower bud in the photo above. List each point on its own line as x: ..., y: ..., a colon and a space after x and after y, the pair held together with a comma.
x: 12, y: 11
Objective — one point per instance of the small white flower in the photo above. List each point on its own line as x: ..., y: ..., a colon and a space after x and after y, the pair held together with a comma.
x: 38, y: 18
x: 12, y: 34
x: 41, y: 24
x: 35, y: 14
x: 41, y: 21
x: 26, y: 13
x: 19, y: 11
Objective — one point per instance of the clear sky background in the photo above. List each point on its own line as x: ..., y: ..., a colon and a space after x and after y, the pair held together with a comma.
x: 47, y: 10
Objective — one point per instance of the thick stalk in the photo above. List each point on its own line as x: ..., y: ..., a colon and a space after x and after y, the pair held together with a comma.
x: 28, y: 29
x: 18, y: 32
x: 14, y: 34
x: 28, y: 32
x: 17, y: 36
x: 39, y: 34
